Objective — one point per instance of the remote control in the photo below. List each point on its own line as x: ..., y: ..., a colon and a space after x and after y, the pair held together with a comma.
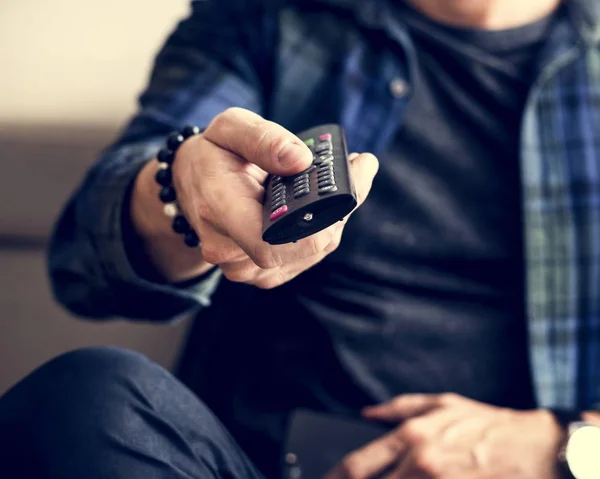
x: 304, y: 204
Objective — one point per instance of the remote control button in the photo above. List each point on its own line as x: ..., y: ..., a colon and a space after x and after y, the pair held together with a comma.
x: 301, y: 193
x: 328, y: 189
x: 324, y: 173
x: 278, y: 205
x: 302, y: 182
x: 277, y: 201
x: 309, y: 142
x: 277, y: 191
x: 326, y: 182
x: 279, y: 194
x: 276, y: 180
x: 326, y: 136
x: 279, y: 213
x: 323, y: 158
x: 301, y: 186
x: 278, y: 188
x: 324, y: 146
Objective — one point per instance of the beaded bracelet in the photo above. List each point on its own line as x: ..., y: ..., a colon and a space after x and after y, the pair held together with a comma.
x: 167, y: 194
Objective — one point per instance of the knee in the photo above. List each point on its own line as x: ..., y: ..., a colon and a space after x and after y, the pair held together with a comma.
x: 88, y: 384
x: 97, y: 366
x: 94, y: 369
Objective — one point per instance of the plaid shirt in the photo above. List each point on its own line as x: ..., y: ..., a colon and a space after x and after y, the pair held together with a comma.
x: 349, y: 62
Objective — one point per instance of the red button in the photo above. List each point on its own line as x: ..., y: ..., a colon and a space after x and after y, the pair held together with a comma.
x: 279, y: 212
x: 325, y: 137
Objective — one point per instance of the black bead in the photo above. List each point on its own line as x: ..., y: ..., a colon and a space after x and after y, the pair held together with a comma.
x: 190, y: 130
x: 180, y: 225
x: 174, y: 141
x: 166, y: 156
x: 167, y: 194
x: 191, y: 239
x: 164, y: 177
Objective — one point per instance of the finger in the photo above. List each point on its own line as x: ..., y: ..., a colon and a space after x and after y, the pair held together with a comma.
x: 370, y: 460
x: 218, y: 249
x: 262, y: 142
x: 431, y: 426
x: 364, y: 168
x: 270, y: 278
x: 404, y: 407
x: 242, y: 271
x: 246, y: 271
x: 435, y: 461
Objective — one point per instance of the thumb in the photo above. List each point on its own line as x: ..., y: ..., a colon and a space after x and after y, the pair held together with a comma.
x: 404, y: 407
x: 264, y: 143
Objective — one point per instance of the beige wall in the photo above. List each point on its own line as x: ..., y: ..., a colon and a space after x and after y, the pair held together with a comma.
x: 72, y: 61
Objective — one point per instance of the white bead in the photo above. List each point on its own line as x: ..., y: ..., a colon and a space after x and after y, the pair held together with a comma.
x: 171, y: 210
x: 399, y: 88
x: 163, y: 166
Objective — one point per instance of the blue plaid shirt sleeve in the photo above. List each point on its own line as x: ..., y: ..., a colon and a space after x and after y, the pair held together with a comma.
x: 209, y: 63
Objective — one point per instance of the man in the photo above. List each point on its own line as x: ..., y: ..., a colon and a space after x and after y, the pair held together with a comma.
x: 461, y: 302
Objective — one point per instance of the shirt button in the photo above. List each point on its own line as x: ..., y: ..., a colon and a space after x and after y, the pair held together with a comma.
x: 399, y: 88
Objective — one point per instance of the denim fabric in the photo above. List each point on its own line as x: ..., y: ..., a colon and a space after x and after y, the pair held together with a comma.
x: 112, y: 414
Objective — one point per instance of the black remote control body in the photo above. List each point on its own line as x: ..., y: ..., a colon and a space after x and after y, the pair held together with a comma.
x: 304, y: 204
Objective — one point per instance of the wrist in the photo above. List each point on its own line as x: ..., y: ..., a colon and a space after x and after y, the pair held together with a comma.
x: 175, y: 262
x: 146, y: 216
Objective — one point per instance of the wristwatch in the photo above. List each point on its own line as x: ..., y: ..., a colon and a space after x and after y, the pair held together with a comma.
x: 579, y: 455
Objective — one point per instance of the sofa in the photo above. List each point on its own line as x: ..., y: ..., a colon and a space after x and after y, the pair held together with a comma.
x: 41, y: 166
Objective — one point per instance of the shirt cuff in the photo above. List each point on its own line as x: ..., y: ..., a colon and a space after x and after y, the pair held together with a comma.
x: 114, y: 244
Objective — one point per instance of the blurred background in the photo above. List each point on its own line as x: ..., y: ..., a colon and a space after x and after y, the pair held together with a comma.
x: 70, y: 73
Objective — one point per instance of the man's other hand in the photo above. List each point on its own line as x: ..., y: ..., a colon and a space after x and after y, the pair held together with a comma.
x: 450, y: 437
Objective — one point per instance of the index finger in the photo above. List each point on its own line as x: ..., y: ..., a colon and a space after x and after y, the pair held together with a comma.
x: 259, y: 141
x: 242, y: 221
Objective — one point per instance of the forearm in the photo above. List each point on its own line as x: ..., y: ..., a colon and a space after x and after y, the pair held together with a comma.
x: 89, y: 265
x: 173, y: 261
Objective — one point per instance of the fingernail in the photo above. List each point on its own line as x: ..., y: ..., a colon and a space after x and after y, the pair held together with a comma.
x: 291, y: 154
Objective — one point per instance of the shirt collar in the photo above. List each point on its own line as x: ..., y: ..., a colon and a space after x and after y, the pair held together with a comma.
x: 587, y: 16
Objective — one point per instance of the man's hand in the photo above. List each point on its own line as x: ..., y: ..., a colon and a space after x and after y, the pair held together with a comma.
x: 219, y: 179
x: 451, y: 437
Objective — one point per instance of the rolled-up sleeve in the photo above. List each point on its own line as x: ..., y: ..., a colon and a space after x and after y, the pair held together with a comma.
x: 216, y: 58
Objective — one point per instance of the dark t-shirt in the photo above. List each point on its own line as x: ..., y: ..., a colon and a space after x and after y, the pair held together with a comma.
x: 447, y: 208
x: 425, y: 293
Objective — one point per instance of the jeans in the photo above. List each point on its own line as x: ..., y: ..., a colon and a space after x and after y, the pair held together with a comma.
x: 106, y: 413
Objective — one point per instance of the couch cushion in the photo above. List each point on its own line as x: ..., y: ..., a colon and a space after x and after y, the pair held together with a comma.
x: 41, y: 167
